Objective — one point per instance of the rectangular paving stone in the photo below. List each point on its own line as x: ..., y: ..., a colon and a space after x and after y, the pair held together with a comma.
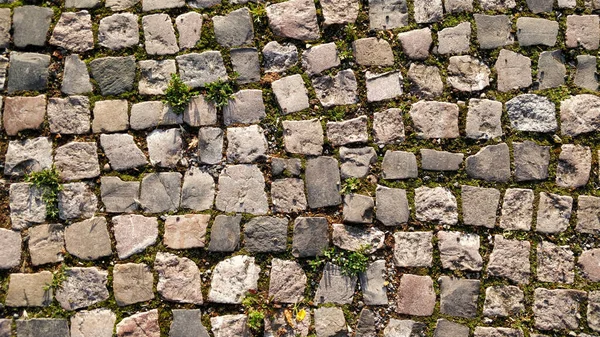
x: 323, y: 182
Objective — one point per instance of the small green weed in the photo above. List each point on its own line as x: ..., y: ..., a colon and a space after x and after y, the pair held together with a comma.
x: 255, y: 320
x: 219, y: 93
x: 258, y: 13
x: 351, y: 263
x: 350, y: 185
x: 257, y: 307
x: 48, y: 181
x: 59, y: 277
x: 350, y: 32
x: 178, y: 94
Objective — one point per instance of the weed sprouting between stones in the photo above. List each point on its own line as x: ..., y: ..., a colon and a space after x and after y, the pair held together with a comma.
x: 48, y: 181
x: 219, y: 93
x: 178, y: 94
x: 351, y: 263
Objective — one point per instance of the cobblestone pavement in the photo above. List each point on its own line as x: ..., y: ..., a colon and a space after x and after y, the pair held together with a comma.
x: 343, y: 168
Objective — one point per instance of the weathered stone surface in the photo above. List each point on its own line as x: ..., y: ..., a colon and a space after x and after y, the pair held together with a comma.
x: 348, y: 131
x: 388, y: 126
x: 189, y: 27
x: 88, y: 239
x: 114, y: 75
x: 428, y: 11
x: 458, y: 297
x: 557, y: 309
x: 365, y: 327
x: 503, y: 301
x: 436, y: 205
x: 340, y: 89
x: 339, y: 11
x: 588, y: 261
x: 455, y: 40
x: 551, y: 69
x: 159, y: 34
x: 97, y: 322
x: 119, y: 5
x: 69, y: 115
x: 585, y: 75
x: 266, y: 234
x: 531, y: 161
x: 122, y: 152
x: 491, y: 163
x: 426, y: 81
x: 579, y: 114
x: 383, y: 86
x: 554, y: 212
x: 31, y: 25
x: 536, y: 31
x: 514, y: 70
x: 47, y: 327
x: 198, y: 190
x: 150, y: 5
x: 593, y: 311
x: 155, y: 76
x: 574, y: 165
x: 5, y: 24
x: 356, y: 161
x: 246, y: 144
x: 416, y: 43
x: 355, y: 238
x: 234, y: 29
x: 296, y: 19
x: 531, y: 112
x: 165, y: 147
x: 198, y: 69
x: 150, y: 114
x: 230, y: 325
x: 555, y: 263
x: 479, y: 205
x: 160, y: 192
x: 27, y: 71
x: 459, y: 251
x: 185, y: 231
x: 291, y: 93
x: 178, y: 279
x: 373, y: 284
x: 358, y: 208
x: 445, y: 115
x: 539, y: 6
x: 287, y: 281
x: 493, y: 31
x: 385, y: 14
x: 245, y: 107
x: 10, y: 248
x: 415, y: 295
x: 245, y: 62
x: 77, y: 160
x: 242, y: 189
x: 110, y: 116
x: 510, y: 259
x: 311, y: 236
x: 335, y: 287
x: 413, y: 249
x: 29, y: 290
x: 132, y: 283
x: 583, y: 31
x: 187, y: 322
x: 46, y: 245
x: 588, y: 214
x: 372, y: 51
x: 466, y: 73
x: 225, y: 233
x: 517, y: 209
x: 200, y: 112
x: 330, y: 322
x: 27, y: 207
x: 483, y: 119
x: 500, y: 332
x: 303, y: 137
x: 278, y: 58
x: 210, y: 145
x: 143, y: 324
x: 281, y: 167
x: 82, y: 287
x: 391, y: 206
x: 288, y: 195
x: 232, y: 278
x: 433, y: 160
x: 24, y: 113
x: 404, y: 327
x: 445, y: 328
x: 399, y: 165
x: 134, y: 233
x: 319, y: 58
x: 73, y: 32
x: 322, y: 182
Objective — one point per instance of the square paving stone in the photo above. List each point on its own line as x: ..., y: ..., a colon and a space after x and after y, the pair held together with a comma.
x: 5, y: 24
x: 119, y: 31
x: 498, y: 332
x: 335, y: 287
x: 150, y: 114
x: 246, y: 144
x: 27, y: 206
x: 536, y: 31
x: 387, y: 14
x: 517, y: 209
x: 455, y: 40
x: 159, y: 35
x: 330, y: 322
x: 510, y: 259
x: 23, y: 113
x: 356, y: 162
x: 574, y: 165
x: 373, y: 283
x: 73, y: 32
x: 399, y: 165
x: 134, y: 233
x: 353, y: 238
x: 459, y: 251
x: 423, y: 112
x: 396, y: 327
x: 27, y: 71
x: 132, y: 283
x: 483, y: 119
x: 82, y: 288
x: 210, y: 145
x: 286, y: 167
x: 425, y: 81
x: 372, y: 51
x: 144, y: 323
x: 119, y: 196
x: 433, y: 160
x: 114, y: 75
x: 557, y: 309
x: 588, y: 214
x: 46, y: 327
x: 503, y: 301
x: 493, y: 31
x: 415, y: 295
x: 436, y: 205
x: 69, y: 115
x: 225, y: 233
x: 265, y: 234
x: 458, y: 297
x: 288, y: 195
x: 296, y: 19
x: 160, y: 192
x: 551, y: 69
x: 291, y: 93
x: 185, y: 231
x: 303, y: 137
x: 532, y: 113
x: 122, y: 151
x: 246, y: 63
x: 198, y: 69
x: 583, y: 31
x: 554, y: 212
x: 10, y: 248
x: 187, y: 322
x: 531, y: 161
x: 77, y: 200
x: 189, y: 29
x: 165, y: 147
x: 29, y: 290
x: 77, y: 160
x: 388, y: 126
x: 340, y: 89
x: 232, y: 279
x: 88, y: 239
x: 287, y: 281
x: 413, y: 249
x: 479, y: 206
x: 242, y: 190
x: 466, y: 73
x: 311, y: 236
x: 200, y: 112
x: 340, y: 11
x: 514, y: 71
x: 416, y: 43
x: 445, y: 328
x: 358, y: 208
x: 155, y: 76
x: 31, y: 25
x: 322, y: 182
x: 245, y: 107
x: 585, y: 74
x: 46, y: 244
x: 588, y: 262
x: 319, y: 58
x: 198, y: 190
x: 555, y: 263
x: 384, y: 86
x: 96, y: 322
x: 278, y: 58
x: 593, y: 310
x: 391, y: 206
x: 110, y: 116
x: 234, y: 29
x: 348, y: 131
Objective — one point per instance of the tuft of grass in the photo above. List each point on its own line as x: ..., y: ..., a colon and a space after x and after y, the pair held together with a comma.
x: 178, y: 94
x: 350, y: 185
x: 351, y: 263
x: 219, y: 93
x: 48, y: 181
x: 258, y: 13
x: 256, y: 320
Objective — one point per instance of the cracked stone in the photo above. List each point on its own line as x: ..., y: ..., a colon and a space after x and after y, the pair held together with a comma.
x: 160, y: 192
x: 134, y: 233
x: 122, y: 152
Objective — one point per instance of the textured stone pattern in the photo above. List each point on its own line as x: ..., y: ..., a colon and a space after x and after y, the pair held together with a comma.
x: 454, y: 142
